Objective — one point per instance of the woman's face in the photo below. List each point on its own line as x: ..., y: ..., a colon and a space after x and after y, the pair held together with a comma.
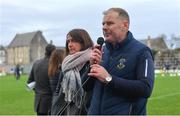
x: 73, y: 46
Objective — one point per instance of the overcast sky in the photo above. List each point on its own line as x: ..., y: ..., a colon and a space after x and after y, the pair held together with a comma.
x: 56, y: 17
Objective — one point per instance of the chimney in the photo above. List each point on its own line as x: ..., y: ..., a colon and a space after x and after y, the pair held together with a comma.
x: 51, y: 42
x: 149, y: 42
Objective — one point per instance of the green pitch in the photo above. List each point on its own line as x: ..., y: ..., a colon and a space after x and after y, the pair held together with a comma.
x: 15, y: 99
x: 166, y: 96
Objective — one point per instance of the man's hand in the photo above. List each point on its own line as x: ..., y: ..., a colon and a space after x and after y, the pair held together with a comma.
x: 98, y: 72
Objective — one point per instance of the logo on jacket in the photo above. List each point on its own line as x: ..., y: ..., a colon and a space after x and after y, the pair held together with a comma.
x: 121, y: 64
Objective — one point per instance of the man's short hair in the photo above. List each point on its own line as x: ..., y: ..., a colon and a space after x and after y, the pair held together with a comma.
x: 122, y: 13
x: 49, y: 49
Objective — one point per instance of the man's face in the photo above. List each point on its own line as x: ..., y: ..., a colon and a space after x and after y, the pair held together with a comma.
x: 114, y: 28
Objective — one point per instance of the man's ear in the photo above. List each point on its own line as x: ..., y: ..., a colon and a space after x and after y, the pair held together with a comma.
x: 125, y: 25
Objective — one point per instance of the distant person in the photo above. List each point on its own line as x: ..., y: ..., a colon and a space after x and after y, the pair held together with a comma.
x: 74, y: 66
x: 39, y: 74
x: 167, y: 68
x: 17, y: 72
x: 174, y: 71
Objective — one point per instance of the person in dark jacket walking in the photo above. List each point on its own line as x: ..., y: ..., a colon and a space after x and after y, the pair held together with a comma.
x: 124, y: 80
x: 17, y: 72
x: 39, y: 75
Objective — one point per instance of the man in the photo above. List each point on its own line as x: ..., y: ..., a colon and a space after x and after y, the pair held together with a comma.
x: 124, y: 80
x: 39, y: 74
x: 17, y: 72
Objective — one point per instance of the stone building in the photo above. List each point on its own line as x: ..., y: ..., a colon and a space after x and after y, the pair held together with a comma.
x: 25, y: 48
x: 163, y: 55
x: 2, y: 55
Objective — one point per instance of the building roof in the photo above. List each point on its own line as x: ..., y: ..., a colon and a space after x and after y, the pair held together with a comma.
x: 175, y: 43
x: 60, y: 47
x: 155, y: 43
x: 2, y: 47
x: 23, y: 39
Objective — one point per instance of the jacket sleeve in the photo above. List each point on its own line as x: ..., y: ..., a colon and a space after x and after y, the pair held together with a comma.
x: 143, y: 85
x: 87, y: 82
x: 54, y: 80
x: 31, y: 76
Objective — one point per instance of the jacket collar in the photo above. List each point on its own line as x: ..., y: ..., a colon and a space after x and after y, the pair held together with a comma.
x: 121, y: 44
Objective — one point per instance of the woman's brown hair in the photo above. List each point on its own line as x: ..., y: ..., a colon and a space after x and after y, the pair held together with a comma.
x: 81, y: 36
x: 55, y: 61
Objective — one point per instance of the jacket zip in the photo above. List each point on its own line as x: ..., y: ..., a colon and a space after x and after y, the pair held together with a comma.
x: 130, y: 109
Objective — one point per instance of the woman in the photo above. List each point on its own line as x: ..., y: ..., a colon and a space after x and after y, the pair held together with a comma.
x: 75, y: 64
x: 54, y: 68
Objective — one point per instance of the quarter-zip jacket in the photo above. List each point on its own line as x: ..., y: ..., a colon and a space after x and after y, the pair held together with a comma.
x: 130, y: 63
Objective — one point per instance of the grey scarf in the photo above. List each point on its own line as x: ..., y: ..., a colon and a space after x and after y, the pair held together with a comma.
x: 71, y: 82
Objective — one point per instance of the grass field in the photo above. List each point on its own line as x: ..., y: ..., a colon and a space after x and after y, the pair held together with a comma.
x: 16, y: 100
x: 165, y: 99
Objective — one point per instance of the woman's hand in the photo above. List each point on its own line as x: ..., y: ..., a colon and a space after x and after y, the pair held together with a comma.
x: 96, y: 55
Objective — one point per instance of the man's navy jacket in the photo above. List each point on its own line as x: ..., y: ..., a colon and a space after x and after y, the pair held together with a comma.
x: 130, y: 63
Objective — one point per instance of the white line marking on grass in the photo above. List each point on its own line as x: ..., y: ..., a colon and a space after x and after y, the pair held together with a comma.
x: 163, y: 96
